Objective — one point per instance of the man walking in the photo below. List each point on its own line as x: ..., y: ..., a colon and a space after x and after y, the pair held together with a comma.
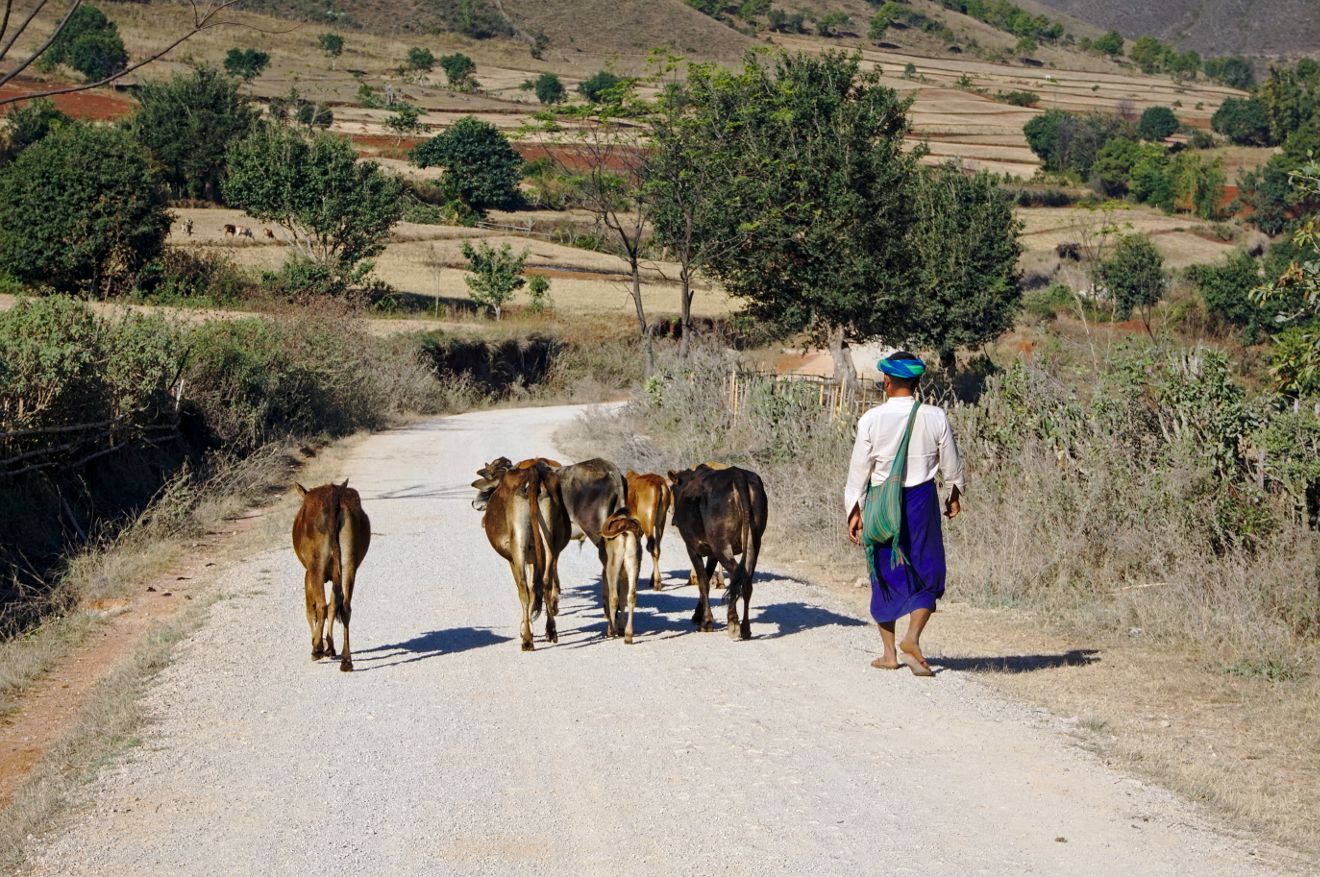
x: 907, y: 578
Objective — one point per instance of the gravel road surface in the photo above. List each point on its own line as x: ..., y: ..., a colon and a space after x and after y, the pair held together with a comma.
x: 449, y: 751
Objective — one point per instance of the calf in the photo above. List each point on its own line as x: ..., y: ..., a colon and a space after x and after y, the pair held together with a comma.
x: 721, y: 513
x: 649, y: 501
x: 230, y: 230
x: 622, y: 535
x: 245, y: 232
x: 270, y: 235
x: 331, y: 534
x: 526, y: 523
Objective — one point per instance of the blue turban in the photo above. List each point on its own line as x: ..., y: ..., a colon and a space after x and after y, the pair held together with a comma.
x: 906, y: 369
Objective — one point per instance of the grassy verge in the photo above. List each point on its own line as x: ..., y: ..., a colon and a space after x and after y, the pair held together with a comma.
x: 106, y: 725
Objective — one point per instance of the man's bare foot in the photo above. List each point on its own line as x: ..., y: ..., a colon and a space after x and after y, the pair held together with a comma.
x: 915, y: 660
x: 885, y: 664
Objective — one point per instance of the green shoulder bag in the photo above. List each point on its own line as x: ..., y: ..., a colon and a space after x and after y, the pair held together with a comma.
x: 882, y: 518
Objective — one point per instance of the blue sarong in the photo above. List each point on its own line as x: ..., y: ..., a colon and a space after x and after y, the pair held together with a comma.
x: 898, y: 589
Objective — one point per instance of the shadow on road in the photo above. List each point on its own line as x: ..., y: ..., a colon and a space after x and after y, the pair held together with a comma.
x: 1019, y: 663
x: 450, y: 641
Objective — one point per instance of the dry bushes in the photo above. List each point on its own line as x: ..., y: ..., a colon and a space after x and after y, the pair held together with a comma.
x: 1136, y: 504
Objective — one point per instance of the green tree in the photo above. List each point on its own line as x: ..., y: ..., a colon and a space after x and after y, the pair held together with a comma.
x: 780, y: 21
x: 187, y: 123
x: 81, y: 210
x: 1149, y: 54
x: 494, y: 275
x: 1134, y: 277
x: 965, y: 289
x: 459, y: 70
x: 824, y: 190
x: 420, y: 60
x: 1242, y: 120
x: 332, y: 45
x: 1157, y: 123
x: 601, y: 87
x: 481, y: 168
x: 549, y: 89
x: 538, y: 293
x: 1291, y: 97
x: 246, y: 64
x: 89, y: 42
x: 1296, y: 360
x: 1112, y: 170
x: 1226, y: 290
x: 833, y: 24
x: 1234, y: 71
x: 1110, y: 44
x: 1025, y: 46
x: 1152, y: 181
x: 29, y: 124
x: 337, y: 211
x: 405, y: 120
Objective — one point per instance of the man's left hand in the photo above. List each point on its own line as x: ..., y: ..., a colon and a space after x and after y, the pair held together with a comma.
x: 855, y: 527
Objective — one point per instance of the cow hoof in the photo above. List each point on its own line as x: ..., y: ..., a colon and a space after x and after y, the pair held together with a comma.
x: 707, y: 627
x: 317, y: 654
x: 528, y: 647
x: 657, y: 586
x: 745, y: 632
x: 628, y: 639
x: 346, y: 666
x: 552, y: 637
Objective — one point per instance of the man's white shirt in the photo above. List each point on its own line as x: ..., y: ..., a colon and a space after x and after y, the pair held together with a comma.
x: 932, y: 448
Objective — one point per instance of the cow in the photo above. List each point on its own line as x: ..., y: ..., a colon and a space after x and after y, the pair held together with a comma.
x: 331, y: 534
x: 649, y: 501
x: 622, y: 535
x: 719, y: 573
x: 245, y: 232
x: 231, y: 230
x: 270, y: 235
x: 527, y: 524
x: 721, y: 513
x: 188, y: 227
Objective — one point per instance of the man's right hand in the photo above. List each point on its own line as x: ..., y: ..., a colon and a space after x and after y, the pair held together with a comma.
x: 953, y: 507
x: 855, y: 527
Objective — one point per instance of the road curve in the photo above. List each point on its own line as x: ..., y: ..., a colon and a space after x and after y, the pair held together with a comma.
x: 449, y: 751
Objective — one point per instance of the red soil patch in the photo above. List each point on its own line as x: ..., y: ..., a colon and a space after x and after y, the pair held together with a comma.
x: 98, y: 105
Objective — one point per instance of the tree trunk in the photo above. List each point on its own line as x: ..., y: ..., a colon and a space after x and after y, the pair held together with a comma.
x: 844, y: 371
x: 685, y: 322
x: 642, y: 327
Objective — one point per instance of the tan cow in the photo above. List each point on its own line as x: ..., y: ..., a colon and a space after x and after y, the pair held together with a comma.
x: 622, y: 535
x: 331, y: 534
x: 526, y: 523
x: 649, y: 501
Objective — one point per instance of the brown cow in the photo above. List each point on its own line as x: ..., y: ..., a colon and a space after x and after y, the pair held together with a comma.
x: 331, y: 534
x: 721, y: 513
x: 649, y: 501
x: 230, y: 230
x: 623, y: 560
x: 526, y: 523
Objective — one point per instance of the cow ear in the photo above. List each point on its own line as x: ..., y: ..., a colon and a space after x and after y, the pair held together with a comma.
x: 630, y: 474
x: 673, y: 476
x: 302, y: 491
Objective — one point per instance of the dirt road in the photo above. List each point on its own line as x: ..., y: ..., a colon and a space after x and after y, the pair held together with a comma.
x: 449, y: 751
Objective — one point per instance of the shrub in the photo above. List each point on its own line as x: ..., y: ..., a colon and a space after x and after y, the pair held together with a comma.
x: 1133, y: 277
x: 549, y: 89
x: 1111, y: 43
x: 28, y: 124
x: 1226, y: 291
x: 246, y: 64
x: 1243, y: 121
x: 187, y: 123
x: 1113, y: 166
x: 833, y: 24
x: 332, y: 45
x: 459, y: 70
x: 1157, y: 123
x: 81, y: 210
x: 601, y: 87
x: 494, y: 275
x: 186, y: 276
x: 538, y: 291
x: 1018, y: 98
x: 481, y: 168
x: 421, y: 60
x: 1234, y: 71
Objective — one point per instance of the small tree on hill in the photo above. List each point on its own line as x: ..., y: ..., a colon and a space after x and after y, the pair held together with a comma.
x: 1296, y: 293
x: 337, y: 211
x: 89, y: 43
x: 332, y: 45
x: 495, y: 275
x: 246, y: 64
x: 549, y: 89
x: 459, y: 70
x: 481, y: 168
x: 1157, y: 123
x: 1134, y: 277
x: 420, y: 60
x: 1242, y: 120
x: 404, y: 121
x: 81, y: 210
x: 1110, y: 44
x: 601, y: 87
x: 833, y: 24
x: 187, y: 122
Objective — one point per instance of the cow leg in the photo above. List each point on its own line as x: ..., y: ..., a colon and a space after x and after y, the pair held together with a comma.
x: 733, y: 571
x: 653, y: 546
x: 609, y: 578
x: 633, y: 561
x: 701, y: 617
x: 551, y: 600
x: 315, y: 594
x: 524, y: 595
x: 745, y: 630
x: 344, y: 611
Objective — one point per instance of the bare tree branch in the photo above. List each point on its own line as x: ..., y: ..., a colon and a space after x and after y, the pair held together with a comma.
x: 203, y: 19
x: 4, y: 22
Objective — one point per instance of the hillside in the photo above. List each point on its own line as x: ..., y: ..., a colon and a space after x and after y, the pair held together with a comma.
x: 1211, y: 27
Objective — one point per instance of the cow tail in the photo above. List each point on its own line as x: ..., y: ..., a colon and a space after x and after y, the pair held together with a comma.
x: 336, y: 549
x: 740, y: 573
x: 538, y: 541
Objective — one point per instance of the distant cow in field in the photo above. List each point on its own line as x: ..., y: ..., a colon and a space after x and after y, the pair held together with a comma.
x: 527, y: 524
x: 649, y: 501
x: 270, y: 235
x: 188, y: 227
x: 245, y: 232
x: 1068, y: 250
x: 230, y: 230
x: 331, y: 534
x: 622, y: 535
x: 721, y: 513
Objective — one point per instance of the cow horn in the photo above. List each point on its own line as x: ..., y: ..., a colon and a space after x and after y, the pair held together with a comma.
x: 345, y: 484
x: 302, y: 491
